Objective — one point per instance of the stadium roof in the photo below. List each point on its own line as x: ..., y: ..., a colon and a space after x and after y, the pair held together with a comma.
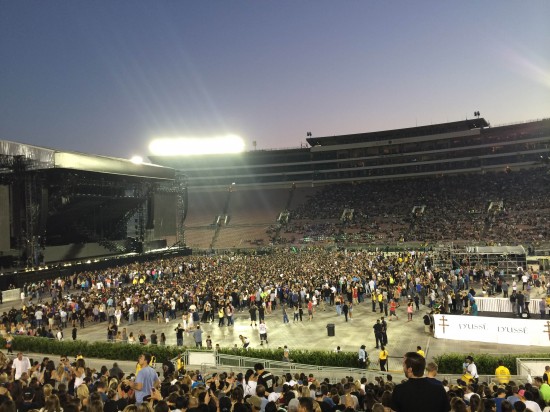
x: 463, y: 125
x: 40, y: 158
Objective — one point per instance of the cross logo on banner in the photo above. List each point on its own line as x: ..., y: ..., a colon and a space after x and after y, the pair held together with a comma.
x: 443, y: 324
x: 547, y: 328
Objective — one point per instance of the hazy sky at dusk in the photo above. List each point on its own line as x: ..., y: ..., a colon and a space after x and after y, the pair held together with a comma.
x: 106, y: 77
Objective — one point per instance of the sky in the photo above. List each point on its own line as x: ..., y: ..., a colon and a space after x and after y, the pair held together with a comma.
x: 107, y: 77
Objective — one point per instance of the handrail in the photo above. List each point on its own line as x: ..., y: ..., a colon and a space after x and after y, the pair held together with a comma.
x: 236, y: 363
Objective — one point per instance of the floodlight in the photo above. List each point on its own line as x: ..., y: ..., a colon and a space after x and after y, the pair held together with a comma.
x: 196, y: 146
x: 137, y: 160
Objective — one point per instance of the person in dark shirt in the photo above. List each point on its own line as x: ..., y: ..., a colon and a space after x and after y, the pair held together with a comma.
x: 431, y: 368
x: 319, y: 397
x: 179, y: 334
x: 116, y: 372
x: 418, y: 393
x: 265, y: 378
x: 28, y: 401
x: 168, y: 367
x: 378, y: 333
x: 111, y: 405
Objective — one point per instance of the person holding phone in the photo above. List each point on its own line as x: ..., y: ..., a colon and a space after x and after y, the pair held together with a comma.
x: 146, y: 379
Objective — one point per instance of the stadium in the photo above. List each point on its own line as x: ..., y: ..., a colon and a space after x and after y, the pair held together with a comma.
x: 280, y: 206
x: 464, y: 184
x: 432, y: 215
x: 462, y: 181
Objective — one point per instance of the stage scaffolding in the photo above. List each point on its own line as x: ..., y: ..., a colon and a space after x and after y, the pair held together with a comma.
x: 60, y: 199
x: 503, y: 258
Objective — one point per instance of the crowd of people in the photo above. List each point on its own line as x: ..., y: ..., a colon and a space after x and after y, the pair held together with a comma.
x: 190, y: 290
x: 456, y: 209
x: 66, y: 386
x: 193, y: 289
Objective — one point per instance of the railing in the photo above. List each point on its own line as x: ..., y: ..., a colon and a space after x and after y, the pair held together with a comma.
x: 234, y: 363
x: 11, y: 295
x: 532, y: 366
x: 521, y: 122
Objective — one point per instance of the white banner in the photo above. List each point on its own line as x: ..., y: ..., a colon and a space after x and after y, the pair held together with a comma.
x: 496, y: 330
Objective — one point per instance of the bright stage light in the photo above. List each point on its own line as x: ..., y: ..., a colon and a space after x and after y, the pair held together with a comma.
x: 196, y: 146
x: 137, y: 160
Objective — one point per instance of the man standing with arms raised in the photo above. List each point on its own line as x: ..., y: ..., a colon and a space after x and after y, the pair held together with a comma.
x: 418, y: 393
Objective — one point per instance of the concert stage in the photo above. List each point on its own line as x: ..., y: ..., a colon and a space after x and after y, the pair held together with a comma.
x: 58, y: 206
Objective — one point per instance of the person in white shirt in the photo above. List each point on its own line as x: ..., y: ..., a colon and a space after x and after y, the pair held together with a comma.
x: 471, y: 368
x: 524, y: 280
x: 250, y: 382
x: 530, y: 403
x: 21, y: 364
x: 38, y: 315
x: 131, y: 315
x: 262, y: 329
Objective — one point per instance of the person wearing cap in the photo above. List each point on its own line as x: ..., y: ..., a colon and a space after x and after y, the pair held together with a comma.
x: 471, y: 369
